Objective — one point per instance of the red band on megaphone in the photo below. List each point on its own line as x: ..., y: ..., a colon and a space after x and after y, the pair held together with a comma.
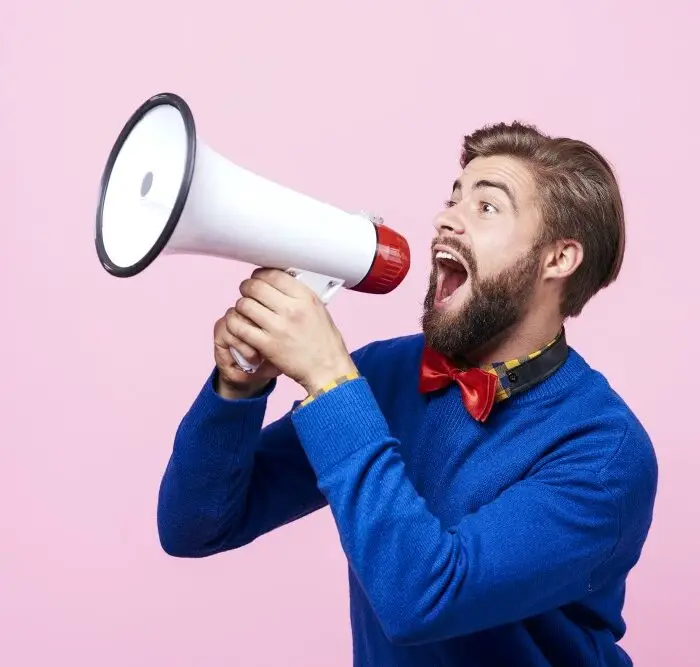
x: 392, y: 260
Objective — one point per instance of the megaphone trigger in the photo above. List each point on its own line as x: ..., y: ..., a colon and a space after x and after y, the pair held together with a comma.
x: 325, y: 288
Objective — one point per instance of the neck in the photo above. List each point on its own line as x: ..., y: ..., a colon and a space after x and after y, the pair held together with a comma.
x: 527, y: 336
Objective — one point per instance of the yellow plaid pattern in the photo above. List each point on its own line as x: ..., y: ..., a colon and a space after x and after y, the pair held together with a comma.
x: 503, y: 370
x: 331, y: 385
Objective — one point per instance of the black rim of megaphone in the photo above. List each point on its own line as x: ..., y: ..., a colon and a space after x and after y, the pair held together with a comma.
x: 162, y: 98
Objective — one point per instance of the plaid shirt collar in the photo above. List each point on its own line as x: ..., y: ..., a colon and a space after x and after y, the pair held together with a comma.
x: 517, y: 375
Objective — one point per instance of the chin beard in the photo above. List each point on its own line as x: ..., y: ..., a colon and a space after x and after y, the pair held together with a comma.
x: 496, y: 305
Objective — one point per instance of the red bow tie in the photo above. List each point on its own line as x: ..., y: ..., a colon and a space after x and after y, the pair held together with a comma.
x: 478, y: 386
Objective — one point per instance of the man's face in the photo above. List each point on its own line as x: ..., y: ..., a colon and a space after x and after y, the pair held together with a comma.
x: 485, y: 257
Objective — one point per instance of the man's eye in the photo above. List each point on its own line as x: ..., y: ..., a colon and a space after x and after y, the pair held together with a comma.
x: 487, y: 208
x: 449, y: 203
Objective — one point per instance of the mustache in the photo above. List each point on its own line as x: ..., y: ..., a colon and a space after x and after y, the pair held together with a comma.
x: 453, y: 244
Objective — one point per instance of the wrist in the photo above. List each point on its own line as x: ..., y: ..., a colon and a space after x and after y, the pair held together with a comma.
x: 322, y: 378
x: 239, y: 390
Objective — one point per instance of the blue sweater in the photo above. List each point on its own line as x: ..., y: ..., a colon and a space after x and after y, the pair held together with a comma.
x: 504, y: 544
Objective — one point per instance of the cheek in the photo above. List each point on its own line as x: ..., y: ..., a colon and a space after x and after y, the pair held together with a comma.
x: 496, y: 251
x: 491, y: 259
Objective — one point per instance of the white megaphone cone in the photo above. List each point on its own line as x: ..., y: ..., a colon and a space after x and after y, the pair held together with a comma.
x: 164, y: 191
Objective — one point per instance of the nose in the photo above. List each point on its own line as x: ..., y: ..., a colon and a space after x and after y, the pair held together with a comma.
x: 447, y: 223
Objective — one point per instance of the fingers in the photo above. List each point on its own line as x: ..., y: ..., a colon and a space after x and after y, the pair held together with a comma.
x: 254, y: 316
x: 242, y: 326
x: 265, y: 293
x: 281, y: 281
x: 224, y: 340
x: 246, y: 351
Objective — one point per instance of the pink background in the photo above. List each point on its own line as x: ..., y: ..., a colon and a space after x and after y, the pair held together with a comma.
x: 362, y: 104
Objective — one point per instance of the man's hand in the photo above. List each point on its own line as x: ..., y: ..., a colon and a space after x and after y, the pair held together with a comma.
x: 288, y: 325
x: 232, y: 381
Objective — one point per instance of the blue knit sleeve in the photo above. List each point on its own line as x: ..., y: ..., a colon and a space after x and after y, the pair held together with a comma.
x: 229, y: 480
x: 546, y: 541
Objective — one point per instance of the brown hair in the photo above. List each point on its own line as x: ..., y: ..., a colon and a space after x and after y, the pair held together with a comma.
x: 579, y: 200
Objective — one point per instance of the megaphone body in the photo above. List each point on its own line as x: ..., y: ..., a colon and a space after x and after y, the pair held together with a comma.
x: 163, y: 191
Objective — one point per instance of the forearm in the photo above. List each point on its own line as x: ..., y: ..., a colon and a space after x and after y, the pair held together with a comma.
x: 394, y: 544
x: 229, y: 480
x: 203, y: 493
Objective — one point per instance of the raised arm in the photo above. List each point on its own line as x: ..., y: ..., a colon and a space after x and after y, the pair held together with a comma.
x: 550, y: 539
x: 228, y: 480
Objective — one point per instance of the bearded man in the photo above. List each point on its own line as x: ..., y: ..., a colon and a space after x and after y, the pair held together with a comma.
x: 490, y: 489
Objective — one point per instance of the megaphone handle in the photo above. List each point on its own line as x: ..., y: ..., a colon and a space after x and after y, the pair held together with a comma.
x: 242, y: 362
x: 324, y: 286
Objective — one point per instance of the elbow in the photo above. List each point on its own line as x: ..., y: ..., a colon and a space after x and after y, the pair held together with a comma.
x: 173, y: 541
x: 418, y: 626
x: 174, y: 546
x: 176, y: 549
x: 406, y: 632
x: 194, y: 537
x: 405, y: 625
x: 415, y: 631
x: 179, y: 544
x: 180, y: 535
x: 401, y: 637
x: 171, y: 532
x: 419, y: 621
x: 182, y: 532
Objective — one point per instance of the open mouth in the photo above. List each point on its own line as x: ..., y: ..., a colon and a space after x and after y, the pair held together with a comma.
x: 452, y: 274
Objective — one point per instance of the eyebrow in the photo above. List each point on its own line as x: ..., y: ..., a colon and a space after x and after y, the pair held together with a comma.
x: 457, y: 187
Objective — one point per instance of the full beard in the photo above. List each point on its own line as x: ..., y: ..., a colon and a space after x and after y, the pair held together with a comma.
x: 496, y: 305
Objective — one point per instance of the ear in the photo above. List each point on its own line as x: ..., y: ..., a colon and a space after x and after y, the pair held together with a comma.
x: 562, y: 259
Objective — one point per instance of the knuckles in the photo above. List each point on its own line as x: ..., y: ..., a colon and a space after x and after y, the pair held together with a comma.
x: 249, y: 287
x: 231, y: 320
x: 296, y: 311
x: 222, y: 324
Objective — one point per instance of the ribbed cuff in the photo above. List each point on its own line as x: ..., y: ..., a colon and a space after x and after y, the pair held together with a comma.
x: 339, y: 423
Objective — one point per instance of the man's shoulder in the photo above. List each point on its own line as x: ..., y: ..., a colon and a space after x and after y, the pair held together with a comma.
x: 626, y: 445
x: 390, y: 366
x: 382, y: 354
x: 600, y: 396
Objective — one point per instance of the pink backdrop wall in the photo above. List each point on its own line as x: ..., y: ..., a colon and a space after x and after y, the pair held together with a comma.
x: 362, y: 104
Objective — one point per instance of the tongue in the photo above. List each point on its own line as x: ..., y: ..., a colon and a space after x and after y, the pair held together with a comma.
x: 451, y: 282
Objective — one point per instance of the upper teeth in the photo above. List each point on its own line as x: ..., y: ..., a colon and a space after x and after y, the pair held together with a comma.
x: 441, y: 254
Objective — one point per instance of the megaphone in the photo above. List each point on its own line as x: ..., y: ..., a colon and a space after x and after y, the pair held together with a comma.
x: 163, y: 191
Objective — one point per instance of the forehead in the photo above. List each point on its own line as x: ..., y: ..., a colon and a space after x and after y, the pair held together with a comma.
x: 510, y: 171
